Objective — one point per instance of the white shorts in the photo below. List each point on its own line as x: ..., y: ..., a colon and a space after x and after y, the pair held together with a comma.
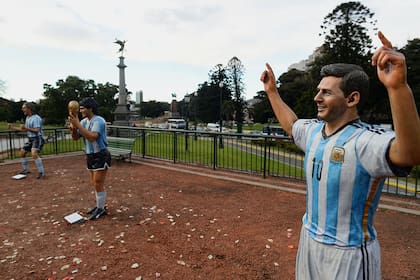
x: 318, y: 261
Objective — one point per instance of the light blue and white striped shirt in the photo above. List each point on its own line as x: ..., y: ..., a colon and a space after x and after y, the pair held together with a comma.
x: 345, y: 173
x: 34, y: 121
x: 96, y: 124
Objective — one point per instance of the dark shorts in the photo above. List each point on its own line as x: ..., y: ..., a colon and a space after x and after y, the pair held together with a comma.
x: 33, y: 143
x: 99, y: 161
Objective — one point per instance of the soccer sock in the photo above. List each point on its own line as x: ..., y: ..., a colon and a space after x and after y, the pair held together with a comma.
x: 25, y: 164
x: 100, y: 199
x: 39, y: 165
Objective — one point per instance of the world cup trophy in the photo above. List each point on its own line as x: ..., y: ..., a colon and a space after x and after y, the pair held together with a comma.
x: 73, y: 107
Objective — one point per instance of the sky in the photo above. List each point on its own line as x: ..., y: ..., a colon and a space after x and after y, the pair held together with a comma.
x: 171, y: 45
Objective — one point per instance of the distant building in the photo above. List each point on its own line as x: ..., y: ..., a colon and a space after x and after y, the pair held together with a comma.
x: 139, y: 97
x: 303, y: 64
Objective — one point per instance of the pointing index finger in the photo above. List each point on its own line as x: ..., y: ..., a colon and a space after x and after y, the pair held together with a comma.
x: 269, y: 67
x: 384, y: 40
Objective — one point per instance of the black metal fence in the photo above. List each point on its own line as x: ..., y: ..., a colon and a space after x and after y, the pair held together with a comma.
x: 251, y: 153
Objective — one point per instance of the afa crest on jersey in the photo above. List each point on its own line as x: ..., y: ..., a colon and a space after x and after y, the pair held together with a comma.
x: 337, y: 154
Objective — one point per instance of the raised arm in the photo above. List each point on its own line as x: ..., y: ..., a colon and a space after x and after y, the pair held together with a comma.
x: 392, y: 72
x: 284, y: 113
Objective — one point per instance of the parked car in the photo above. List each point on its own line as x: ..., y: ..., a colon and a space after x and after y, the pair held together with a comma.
x: 273, y: 130
x: 213, y: 127
x: 177, y: 124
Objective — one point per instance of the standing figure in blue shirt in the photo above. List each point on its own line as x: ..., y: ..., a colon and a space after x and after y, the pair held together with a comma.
x: 33, y: 127
x: 346, y: 163
x: 93, y: 130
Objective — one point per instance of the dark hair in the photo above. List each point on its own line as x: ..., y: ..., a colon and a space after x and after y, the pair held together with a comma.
x: 90, y: 103
x: 354, y: 78
x: 31, y: 106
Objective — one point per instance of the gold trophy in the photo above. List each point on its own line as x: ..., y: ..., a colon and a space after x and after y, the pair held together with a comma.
x: 73, y: 107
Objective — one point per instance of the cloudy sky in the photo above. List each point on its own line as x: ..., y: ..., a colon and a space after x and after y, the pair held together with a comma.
x: 171, y: 44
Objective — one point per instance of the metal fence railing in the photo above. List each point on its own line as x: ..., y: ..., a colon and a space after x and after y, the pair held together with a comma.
x: 250, y: 153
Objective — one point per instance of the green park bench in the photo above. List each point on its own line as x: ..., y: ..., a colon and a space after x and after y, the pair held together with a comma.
x: 120, y: 148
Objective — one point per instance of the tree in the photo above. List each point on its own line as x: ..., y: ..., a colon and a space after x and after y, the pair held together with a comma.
x: 208, y: 102
x: 105, y: 96
x: 235, y: 72
x: 412, y: 56
x: 54, y: 106
x: 293, y: 86
x: 154, y: 109
x: 262, y: 110
x: 296, y: 89
x: 346, y: 37
x: 213, y: 95
x: 5, y: 112
x: 346, y: 40
x: 305, y: 105
x: 346, y: 33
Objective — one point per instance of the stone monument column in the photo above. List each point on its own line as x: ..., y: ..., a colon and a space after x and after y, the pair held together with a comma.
x: 173, y: 109
x: 121, y: 113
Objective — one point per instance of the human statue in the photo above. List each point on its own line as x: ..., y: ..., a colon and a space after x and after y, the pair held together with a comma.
x: 121, y: 43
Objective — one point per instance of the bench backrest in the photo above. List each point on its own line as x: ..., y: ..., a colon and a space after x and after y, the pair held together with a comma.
x: 119, y: 142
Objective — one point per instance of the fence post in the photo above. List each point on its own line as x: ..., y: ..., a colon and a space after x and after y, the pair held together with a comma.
x: 214, y: 151
x: 56, y: 141
x: 174, y: 146
x: 265, y: 158
x: 143, y: 137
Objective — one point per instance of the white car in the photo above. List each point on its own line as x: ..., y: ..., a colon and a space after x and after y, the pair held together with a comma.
x: 177, y: 124
x: 213, y: 127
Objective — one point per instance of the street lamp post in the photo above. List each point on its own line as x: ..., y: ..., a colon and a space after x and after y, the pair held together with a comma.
x: 220, y: 116
x: 187, y: 102
x: 195, y: 115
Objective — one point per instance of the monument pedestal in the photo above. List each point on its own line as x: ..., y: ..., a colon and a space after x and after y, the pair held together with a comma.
x: 121, y: 118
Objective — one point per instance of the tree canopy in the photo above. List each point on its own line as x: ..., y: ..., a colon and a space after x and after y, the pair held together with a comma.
x: 346, y: 40
x: 412, y: 56
x: 235, y: 73
x: 153, y: 109
x: 346, y: 33
x: 212, y: 97
x: 54, y: 107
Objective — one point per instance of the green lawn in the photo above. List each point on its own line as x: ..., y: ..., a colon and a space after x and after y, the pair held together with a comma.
x: 248, y: 158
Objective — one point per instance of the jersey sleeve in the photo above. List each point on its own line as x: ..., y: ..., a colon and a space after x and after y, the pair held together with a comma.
x: 300, y: 131
x: 373, y: 152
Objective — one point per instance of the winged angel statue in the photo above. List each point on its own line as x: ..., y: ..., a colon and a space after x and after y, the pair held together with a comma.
x: 121, y: 43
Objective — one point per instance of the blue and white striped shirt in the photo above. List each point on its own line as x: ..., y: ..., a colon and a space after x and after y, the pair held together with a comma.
x: 96, y: 124
x: 345, y: 173
x: 33, y: 121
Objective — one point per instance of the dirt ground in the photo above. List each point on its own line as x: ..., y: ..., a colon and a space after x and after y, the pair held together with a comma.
x: 168, y: 221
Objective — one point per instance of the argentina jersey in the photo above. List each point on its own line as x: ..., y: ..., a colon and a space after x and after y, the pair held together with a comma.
x: 34, y: 121
x: 96, y: 124
x: 345, y: 173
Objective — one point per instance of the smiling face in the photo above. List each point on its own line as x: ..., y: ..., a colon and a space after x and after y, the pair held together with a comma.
x: 330, y: 100
x: 26, y: 110
x: 86, y: 112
